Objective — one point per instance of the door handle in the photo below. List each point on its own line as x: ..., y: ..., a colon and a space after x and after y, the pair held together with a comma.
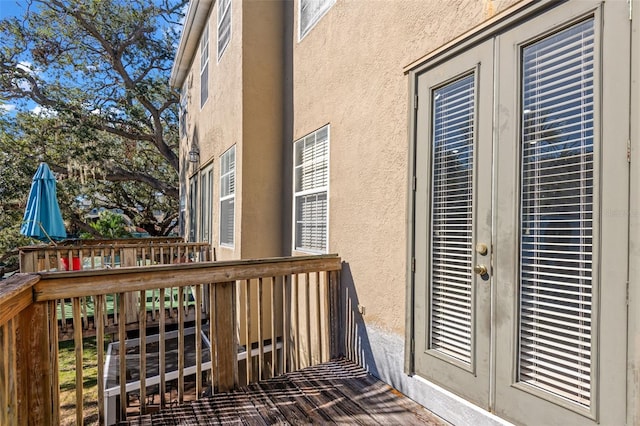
x: 480, y: 270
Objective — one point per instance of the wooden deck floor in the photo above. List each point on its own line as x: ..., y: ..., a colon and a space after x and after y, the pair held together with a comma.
x: 337, y: 392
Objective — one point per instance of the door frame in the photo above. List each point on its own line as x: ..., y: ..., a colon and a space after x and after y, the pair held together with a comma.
x: 510, y: 18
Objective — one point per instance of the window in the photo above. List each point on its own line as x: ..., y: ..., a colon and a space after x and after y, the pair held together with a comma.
x: 557, y: 212
x: 224, y: 25
x: 204, y: 66
x: 206, y: 203
x: 311, y: 185
x: 193, y: 207
x: 310, y: 12
x: 452, y: 217
x: 183, y: 111
x: 227, y: 196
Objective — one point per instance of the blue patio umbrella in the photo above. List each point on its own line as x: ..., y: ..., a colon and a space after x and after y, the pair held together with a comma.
x: 42, y: 218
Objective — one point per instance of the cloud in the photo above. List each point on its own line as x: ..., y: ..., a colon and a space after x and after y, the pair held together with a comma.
x: 7, y: 107
x: 43, y: 111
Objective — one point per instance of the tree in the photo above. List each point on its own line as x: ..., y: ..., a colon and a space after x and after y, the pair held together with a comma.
x: 110, y: 225
x: 105, y: 118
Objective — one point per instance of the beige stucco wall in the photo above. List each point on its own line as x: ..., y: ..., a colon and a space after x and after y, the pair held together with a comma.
x: 243, y: 109
x: 262, y: 128
x: 348, y: 72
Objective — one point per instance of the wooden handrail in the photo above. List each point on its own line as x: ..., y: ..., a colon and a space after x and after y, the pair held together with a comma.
x: 16, y: 295
x: 61, y: 285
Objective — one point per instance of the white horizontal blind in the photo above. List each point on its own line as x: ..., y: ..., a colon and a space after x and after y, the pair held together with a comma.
x: 452, y: 218
x: 311, y: 181
x: 193, y: 207
x: 206, y: 207
x: 310, y: 12
x: 184, y: 102
x: 556, y: 213
x: 204, y: 66
x: 227, y: 196
x: 224, y: 25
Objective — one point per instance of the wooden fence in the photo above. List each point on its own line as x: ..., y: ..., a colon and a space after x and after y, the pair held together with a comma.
x: 85, y: 255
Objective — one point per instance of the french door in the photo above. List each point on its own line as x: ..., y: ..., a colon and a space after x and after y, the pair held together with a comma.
x: 520, y: 259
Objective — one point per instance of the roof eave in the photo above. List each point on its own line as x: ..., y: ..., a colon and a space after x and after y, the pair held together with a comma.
x: 194, y: 23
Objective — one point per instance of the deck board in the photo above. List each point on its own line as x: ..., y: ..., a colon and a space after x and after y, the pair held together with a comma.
x: 336, y: 392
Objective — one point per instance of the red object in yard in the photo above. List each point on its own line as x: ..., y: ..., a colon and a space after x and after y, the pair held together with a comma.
x: 75, y: 264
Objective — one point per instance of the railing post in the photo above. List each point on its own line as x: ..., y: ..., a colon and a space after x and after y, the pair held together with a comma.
x: 129, y: 258
x: 35, y: 366
x: 226, y: 336
x: 28, y: 261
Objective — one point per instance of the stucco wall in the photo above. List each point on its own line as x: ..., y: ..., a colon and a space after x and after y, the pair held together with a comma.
x: 348, y: 71
x: 262, y: 95
x: 244, y: 107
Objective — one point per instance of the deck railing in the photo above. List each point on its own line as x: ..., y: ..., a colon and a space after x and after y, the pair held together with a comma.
x: 107, y: 254
x: 265, y: 317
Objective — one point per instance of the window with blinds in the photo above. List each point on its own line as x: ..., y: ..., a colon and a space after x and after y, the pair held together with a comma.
x: 452, y: 218
x: 193, y: 208
x: 310, y: 12
x: 311, y: 184
x: 184, y: 102
x: 227, y: 196
x: 557, y: 212
x: 224, y: 26
x: 206, y: 203
x: 204, y: 66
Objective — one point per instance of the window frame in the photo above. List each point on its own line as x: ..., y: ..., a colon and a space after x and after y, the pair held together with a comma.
x: 184, y: 103
x: 206, y: 204
x: 193, y: 208
x: 314, y: 191
x: 231, y: 196
x: 204, y: 66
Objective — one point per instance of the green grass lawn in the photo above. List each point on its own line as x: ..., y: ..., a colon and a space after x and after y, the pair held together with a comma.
x: 152, y: 296
x: 67, y: 365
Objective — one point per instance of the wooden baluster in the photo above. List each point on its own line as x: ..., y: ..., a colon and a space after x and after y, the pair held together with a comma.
x: 260, y: 336
x: 334, y: 317
x: 122, y: 353
x: 274, y: 338
x: 181, y: 302
x: 286, y: 322
x: 318, y: 321
x: 63, y: 314
x: 143, y: 351
x: 198, y: 341
x: 212, y: 337
x: 4, y: 370
x: 177, y: 260
x: 77, y: 341
x: 247, y: 331
x: 92, y: 253
x: 47, y: 260
x: 161, y: 350
x: 307, y: 303
x: 98, y: 317
x: 53, y: 362
x: 296, y: 322
x: 326, y: 343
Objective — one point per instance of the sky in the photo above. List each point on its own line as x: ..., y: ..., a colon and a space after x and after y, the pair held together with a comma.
x: 11, y: 8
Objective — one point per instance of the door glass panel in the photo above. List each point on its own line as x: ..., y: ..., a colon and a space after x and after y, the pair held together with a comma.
x: 556, y: 213
x: 451, y: 219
